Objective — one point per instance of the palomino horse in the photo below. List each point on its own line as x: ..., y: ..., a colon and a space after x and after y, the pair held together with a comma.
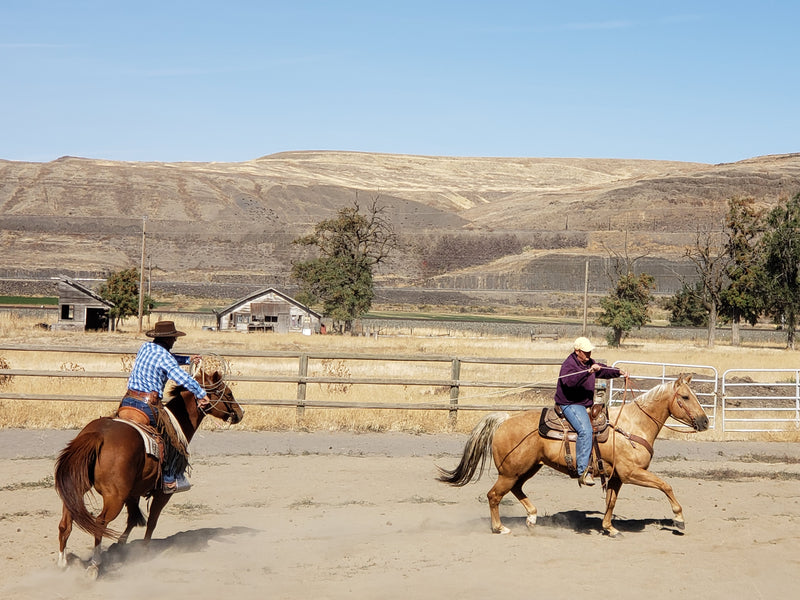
x: 109, y: 454
x: 519, y: 451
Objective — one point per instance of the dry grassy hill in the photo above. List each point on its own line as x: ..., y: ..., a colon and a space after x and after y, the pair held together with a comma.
x: 491, y: 222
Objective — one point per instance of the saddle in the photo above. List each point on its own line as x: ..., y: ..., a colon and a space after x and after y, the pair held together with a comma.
x: 553, y: 424
x: 153, y: 443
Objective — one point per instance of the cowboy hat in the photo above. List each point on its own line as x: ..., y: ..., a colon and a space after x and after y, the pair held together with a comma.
x: 164, y: 329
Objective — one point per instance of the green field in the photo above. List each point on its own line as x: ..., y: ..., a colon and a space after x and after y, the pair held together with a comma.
x: 29, y: 300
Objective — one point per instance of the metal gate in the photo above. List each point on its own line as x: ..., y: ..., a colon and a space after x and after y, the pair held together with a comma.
x: 647, y: 375
x: 761, y: 400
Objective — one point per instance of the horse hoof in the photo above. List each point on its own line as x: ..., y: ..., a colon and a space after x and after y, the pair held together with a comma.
x: 530, y: 521
x: 503, y: 530
x: 679, y: 525
x: 612, y: 533
x: 92, y: 571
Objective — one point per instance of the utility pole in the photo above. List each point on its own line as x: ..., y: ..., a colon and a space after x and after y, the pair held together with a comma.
x: 141, y: 274
x: 585, y: 297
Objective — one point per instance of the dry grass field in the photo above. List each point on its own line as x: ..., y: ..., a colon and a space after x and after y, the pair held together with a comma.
x: 49, y: 414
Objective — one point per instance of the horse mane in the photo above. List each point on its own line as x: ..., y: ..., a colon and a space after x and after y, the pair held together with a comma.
x: 646, y: 397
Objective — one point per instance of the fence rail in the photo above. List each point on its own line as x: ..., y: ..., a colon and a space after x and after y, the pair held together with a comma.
x: 741, y: 400
x: 304, y: 369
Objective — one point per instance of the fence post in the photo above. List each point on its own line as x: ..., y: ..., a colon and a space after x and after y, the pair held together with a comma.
x: 455, y: 375
x: 301, y: 386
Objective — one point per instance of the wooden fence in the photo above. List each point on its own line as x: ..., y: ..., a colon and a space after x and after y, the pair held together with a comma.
x: 443, y: 377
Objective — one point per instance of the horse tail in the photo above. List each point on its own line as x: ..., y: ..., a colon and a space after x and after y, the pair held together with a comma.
x: 74, y: 477
x: 476, y: 451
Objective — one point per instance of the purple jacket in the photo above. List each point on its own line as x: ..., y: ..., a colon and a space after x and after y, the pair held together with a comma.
x: 575, y: 385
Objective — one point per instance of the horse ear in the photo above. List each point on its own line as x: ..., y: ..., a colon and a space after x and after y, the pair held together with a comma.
x: 684, y: 378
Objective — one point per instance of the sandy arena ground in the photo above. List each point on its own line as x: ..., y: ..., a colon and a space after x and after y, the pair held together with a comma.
x: 337, y: 515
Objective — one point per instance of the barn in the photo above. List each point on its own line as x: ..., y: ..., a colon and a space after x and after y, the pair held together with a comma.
x: 268, y: 310
x: 79, y: 308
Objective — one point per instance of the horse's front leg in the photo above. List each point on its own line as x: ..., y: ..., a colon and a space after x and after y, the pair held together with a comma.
x: 645, y: 478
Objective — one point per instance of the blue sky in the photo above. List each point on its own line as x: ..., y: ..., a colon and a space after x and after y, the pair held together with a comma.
x: 231, y: 81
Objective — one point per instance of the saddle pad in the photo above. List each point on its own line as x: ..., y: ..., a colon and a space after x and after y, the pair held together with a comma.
x: 151, y: 442
x: 552, y: 426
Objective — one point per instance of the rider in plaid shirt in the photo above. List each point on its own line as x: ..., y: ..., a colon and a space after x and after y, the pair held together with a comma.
x: 154, y: 364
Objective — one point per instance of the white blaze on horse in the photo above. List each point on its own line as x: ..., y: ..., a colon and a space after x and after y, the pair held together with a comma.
x: 519, y: 450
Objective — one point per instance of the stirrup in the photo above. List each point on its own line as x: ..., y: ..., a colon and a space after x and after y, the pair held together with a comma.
x: 586, y: 478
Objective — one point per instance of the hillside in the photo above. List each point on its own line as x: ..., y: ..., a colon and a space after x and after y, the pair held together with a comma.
x: 489, y: 222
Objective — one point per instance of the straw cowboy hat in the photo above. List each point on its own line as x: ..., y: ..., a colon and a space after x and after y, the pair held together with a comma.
x: 164, y: 329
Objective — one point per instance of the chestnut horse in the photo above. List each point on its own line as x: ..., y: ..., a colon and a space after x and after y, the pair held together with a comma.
x: 109, y: 455
x: 519, y: 451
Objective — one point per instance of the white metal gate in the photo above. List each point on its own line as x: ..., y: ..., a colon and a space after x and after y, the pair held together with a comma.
x: 761, y: 400
x: 647, y: 375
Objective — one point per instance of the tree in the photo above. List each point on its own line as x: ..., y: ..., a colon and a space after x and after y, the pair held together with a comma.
x: 743, y: 299
x: 122, y: 288
x: 686, y: 307
x: 781, y: 262
x: 627, y: 306
x: 710, y: 262
x: 341, y: 278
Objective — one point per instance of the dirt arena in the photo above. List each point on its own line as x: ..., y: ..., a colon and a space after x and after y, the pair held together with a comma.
x: 337, y: 515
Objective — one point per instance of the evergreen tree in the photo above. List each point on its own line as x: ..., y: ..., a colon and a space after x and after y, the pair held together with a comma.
x: 627, y: 306
x: 687, y: 308
x: 781, y: 263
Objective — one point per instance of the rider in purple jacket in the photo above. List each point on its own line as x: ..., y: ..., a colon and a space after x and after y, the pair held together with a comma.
x: 575, y: 394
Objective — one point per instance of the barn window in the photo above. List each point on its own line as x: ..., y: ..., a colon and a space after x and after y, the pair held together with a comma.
x: 67, y: 312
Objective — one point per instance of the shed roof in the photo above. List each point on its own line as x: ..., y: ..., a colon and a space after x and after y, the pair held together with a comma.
x: 86, y: 291
x: 256, y: 295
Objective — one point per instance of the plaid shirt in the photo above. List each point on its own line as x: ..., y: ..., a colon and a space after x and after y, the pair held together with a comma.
x: 154, y: 364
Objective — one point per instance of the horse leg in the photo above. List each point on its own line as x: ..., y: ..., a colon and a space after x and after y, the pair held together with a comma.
x: 612, y: 493
x: 112, y: 506
x: 500, y: 488
x: 156, y: 506
x: 64, y: 529
x: 135, y: 518
x: 516, y: 489
x: 645, y: 478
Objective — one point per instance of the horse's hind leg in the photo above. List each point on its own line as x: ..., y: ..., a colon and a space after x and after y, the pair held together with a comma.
x: 111, y: 509
x: 612, y: 493
x: 500, y: 488
x: 64, y: 529
x: 516, y: 489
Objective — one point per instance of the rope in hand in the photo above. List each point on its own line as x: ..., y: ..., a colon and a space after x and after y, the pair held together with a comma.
x: 208, y: 363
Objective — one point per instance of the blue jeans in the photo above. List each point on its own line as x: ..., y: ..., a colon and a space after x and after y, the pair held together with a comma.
x: 578, y: 417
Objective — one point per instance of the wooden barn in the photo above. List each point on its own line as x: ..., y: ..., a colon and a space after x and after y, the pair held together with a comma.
x: 79, y: 308
x: 269, y: 310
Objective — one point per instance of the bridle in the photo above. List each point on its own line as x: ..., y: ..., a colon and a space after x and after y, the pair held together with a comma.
x: 217, y: 391
x: 686, y: 420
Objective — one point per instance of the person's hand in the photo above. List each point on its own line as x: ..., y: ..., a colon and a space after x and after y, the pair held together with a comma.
x: 623, y: 373
x: 594, y: 368
x: 195, y: 359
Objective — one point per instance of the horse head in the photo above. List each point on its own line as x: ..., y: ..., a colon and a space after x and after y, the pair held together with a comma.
x: 684, y: 405
x: 221, y: 403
